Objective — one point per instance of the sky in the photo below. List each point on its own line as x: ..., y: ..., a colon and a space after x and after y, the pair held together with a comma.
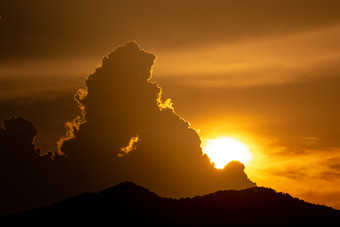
x: 263, y: 72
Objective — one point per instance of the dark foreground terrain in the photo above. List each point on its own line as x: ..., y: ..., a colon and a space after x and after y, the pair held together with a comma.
x: 130, y: 204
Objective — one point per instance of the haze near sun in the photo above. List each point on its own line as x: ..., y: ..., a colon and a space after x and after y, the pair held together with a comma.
x: 223, y: 150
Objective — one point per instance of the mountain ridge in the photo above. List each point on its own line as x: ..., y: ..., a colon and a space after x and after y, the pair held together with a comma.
x: 130, y: 204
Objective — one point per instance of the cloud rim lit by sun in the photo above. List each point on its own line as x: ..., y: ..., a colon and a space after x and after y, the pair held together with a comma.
x: 223, y: 150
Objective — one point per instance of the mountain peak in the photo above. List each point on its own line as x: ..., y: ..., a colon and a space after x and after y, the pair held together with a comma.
x: 128, y: 190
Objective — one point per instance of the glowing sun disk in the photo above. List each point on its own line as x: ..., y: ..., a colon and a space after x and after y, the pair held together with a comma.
x: 222, y: 151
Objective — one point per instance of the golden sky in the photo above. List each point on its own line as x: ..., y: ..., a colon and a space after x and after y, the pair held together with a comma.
x: 264, y: 72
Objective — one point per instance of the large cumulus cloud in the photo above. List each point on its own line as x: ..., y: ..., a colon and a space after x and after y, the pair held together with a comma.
x: 129, y: 132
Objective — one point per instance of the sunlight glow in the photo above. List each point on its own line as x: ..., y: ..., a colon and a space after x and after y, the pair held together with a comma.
x: 223, y: 150
x: 130, y: 147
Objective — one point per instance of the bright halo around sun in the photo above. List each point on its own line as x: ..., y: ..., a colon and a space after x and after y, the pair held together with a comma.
x: 223, y: 150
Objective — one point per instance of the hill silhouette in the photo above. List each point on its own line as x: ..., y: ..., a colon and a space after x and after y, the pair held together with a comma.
x: 130, y: 204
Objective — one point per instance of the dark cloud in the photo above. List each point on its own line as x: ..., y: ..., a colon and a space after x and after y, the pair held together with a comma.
x: 335, y: 166
x: 39, y: 28
x: 17, y: 135
x: 22, y: 168
x: 127, y: 131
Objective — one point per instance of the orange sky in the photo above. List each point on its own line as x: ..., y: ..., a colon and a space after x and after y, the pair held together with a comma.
x: 265, y: 73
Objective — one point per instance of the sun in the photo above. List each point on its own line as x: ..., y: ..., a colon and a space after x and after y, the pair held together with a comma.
x: 223, y: 150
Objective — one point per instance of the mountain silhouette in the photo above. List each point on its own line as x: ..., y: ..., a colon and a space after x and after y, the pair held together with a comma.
x: 130, y: 204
